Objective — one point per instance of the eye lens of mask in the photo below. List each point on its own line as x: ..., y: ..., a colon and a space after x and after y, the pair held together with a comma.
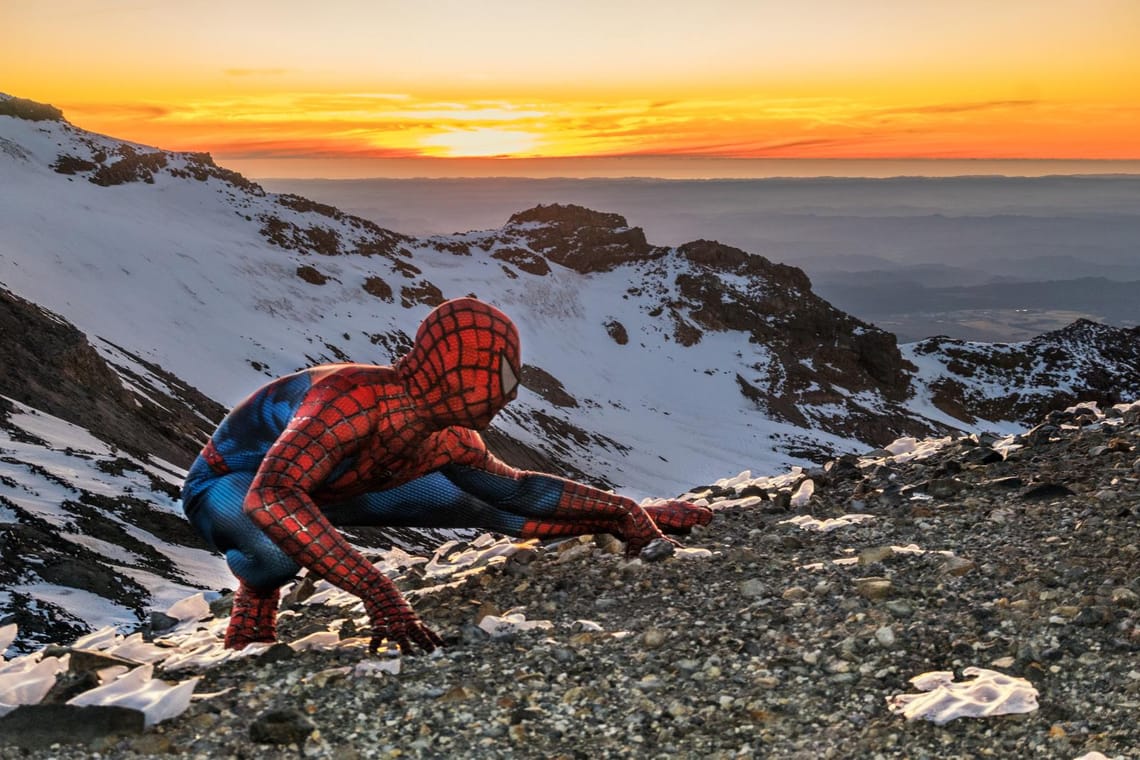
x: 507, y: 376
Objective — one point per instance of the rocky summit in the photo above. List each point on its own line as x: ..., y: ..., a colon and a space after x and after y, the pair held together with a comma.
x: 791, y: 626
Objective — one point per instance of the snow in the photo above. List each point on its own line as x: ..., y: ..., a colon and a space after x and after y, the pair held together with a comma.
x: 986, y: 693
x: 137, y: 689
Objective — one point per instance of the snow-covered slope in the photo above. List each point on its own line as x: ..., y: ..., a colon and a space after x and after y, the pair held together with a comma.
x: 87, y: 532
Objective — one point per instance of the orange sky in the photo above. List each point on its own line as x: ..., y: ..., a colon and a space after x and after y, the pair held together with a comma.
x: 264, y: 83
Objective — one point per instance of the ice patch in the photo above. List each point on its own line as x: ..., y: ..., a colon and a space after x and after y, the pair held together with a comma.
x: 807, y: 522
x: 137, y: 689
x: 989, y: 693
x: 803, y: 494
x: 510, y: 622
x: 26, y: 680
x: 194, y: 607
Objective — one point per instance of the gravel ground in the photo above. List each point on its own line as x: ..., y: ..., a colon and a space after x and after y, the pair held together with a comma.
x: 760, y: 646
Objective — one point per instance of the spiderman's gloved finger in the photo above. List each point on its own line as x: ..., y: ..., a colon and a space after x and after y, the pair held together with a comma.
x: 426, y: 638
x: 407, y: 637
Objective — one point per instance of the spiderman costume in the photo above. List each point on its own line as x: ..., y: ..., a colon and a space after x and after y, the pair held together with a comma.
x: 358, y: 444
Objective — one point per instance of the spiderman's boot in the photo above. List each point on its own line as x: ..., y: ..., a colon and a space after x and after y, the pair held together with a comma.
x: 253, y: 618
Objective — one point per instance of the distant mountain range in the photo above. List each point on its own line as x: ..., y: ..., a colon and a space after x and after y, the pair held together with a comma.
x: 142, y: 292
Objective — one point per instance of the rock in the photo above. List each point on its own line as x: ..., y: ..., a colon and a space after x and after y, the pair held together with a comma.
x: 1011, y: 482
x: 753, y: 587
x: 289, y: 726
x: 1042, y: 491
x: 1124, y: 597
x: 873, y: 588
x: 657, y: 550
x: 958, y: 566
x: 944, y: 488
x: 40, y: 726
x: 160, y: 622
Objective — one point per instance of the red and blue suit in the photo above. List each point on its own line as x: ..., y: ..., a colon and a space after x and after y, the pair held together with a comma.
x: 359, y: 444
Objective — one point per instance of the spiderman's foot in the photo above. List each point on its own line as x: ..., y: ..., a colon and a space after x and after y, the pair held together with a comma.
x: 236, y: 640
x: 253, y: 618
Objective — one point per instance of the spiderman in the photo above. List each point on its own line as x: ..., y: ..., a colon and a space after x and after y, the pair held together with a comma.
x: 359, y: 444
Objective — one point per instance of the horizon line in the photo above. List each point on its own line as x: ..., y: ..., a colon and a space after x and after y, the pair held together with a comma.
x: 672, y: 168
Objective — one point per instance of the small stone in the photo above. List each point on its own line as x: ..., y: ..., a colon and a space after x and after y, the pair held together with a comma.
x: 753, y: 587
x: 795, y: 593
x: 873, y: 588
x: 281, y: 727
x: 653, y: 638
x: 958, y: 566
x: 875, y: 554
x: 885, y: 636
x: 900, y: 608
x: 1124, y: 597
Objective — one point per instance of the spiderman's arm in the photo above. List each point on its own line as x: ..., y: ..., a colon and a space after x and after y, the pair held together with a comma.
x: 560, y: 507
x: 330, y: 425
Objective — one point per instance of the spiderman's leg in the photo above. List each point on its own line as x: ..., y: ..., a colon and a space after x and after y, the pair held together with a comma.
x: 430, y: 501
x: 435, y: 501
x: 555, y: 507
x: 260, y: 566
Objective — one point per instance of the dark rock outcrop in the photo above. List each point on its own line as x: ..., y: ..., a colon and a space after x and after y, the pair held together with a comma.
x: 582, y: 239
x: 50, y: 365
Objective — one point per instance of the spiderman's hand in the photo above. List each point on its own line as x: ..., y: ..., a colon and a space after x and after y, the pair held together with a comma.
x: 638, y: 531
x: 393, y: 619
x: 678, y: 516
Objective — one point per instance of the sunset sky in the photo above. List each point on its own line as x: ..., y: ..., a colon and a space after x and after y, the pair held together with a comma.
x: 266, y: 84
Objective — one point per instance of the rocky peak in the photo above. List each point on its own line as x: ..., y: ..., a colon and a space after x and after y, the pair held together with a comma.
x: 1021, y: 381
x: 580, y: 238
x: 725, y: 258
x: 30, y: 110
x: 823, y: 353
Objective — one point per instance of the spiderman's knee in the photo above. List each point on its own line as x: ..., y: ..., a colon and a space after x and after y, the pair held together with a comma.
x: 537, y: 494
x: 262, y: 570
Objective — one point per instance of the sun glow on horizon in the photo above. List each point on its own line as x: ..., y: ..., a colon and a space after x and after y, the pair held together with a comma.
x: 480, y: 143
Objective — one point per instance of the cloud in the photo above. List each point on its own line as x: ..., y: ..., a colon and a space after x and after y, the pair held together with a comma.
x: 302, y: 148
x: 119, y: 111
x: 937, y: 108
